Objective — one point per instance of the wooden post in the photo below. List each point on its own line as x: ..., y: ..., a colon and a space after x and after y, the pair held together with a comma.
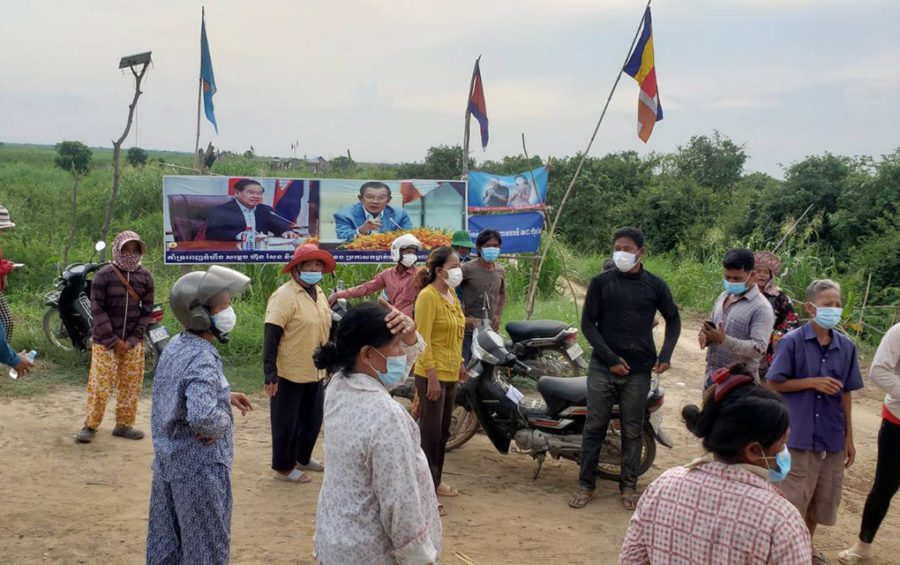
x: 862, y: 312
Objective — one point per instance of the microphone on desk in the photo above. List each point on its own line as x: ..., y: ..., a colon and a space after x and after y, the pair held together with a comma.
x: 293, y: 225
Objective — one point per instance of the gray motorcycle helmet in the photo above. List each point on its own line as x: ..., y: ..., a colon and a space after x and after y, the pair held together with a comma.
x: 191, y: 294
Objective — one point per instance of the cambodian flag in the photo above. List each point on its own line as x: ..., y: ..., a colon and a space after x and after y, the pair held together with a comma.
x: 206, y: 74
x: 477, y: 107
x: 642, y: 68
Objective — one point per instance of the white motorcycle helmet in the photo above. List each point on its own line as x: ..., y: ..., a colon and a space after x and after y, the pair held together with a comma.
x: 402, y: 242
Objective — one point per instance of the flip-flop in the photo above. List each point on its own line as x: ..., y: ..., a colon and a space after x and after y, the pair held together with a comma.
x: 313, y: 466
x: 450, y: 493
x: 849, y: 557
x: 819, y: 557
x: 441, y: 510
x: 295, y: 476
x: 629, y: 501
x: 581, y: 498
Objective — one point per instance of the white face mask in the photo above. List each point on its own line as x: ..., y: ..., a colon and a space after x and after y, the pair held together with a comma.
x: 225, y: 320
x: 409, y: 260
x: 454, y: 277
x: 624, y: 260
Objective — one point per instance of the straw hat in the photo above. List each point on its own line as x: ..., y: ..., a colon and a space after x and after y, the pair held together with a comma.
x: 5, y: 223
x: 310, y: 252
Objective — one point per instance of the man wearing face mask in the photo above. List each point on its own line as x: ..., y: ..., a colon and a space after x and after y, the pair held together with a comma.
x: 619, y: 310
x: 121, y: 303
x: 297, y: 323
x: 483, y: 278
x: 398, y: 282
x: 742, y: 319
x: 816, y: 369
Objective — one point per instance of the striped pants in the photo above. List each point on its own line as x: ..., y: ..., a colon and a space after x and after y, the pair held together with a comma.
x: 6, y: 317
x: 110, y: 371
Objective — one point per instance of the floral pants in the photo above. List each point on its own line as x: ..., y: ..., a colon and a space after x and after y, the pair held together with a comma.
x: 110, y: 371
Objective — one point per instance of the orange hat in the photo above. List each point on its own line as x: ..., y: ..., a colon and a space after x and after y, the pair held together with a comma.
x: 310, y: 252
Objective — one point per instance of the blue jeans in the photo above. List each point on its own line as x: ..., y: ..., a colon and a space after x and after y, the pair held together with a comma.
x: 467, y: 346
x: 606, y: 389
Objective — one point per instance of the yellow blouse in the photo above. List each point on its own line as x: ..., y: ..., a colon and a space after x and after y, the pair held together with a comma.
x: 442, y: 325
x: 306, y: 324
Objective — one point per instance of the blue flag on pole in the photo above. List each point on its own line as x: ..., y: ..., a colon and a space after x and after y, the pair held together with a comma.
x: 206, y: 74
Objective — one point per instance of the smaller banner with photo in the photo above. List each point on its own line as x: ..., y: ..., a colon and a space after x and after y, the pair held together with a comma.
x: 521, y: 233
x: 497, y: 193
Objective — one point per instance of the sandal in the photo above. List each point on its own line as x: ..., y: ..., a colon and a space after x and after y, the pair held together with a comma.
x: 313, y: 465
x: 295, y: 476
x: 849, y: 557
x: 819, y: 559
x: 448, y: 491
x: 630, y: 501
x: 442, y: 511
x: 581, y: 498
x: 86, y: 435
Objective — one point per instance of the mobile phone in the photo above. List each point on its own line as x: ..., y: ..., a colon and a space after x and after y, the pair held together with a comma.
x: 709, y: 324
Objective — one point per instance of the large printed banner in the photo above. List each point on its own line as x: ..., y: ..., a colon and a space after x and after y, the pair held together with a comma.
x: 262, y: 220
x: 496, y: 193
x: 521, y: 233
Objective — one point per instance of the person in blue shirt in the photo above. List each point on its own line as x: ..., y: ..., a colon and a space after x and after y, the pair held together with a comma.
x: 372, y: 214
x: 8, y: 355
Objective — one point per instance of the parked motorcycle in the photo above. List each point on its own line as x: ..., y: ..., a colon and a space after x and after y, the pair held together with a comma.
x: 553, y: 424
x: 68, y: 319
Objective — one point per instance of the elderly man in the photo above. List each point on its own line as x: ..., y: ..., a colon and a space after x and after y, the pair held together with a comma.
x: 372, y: 214
x: 226, y: 222
x: 816, y: 369
x: 742, y: 319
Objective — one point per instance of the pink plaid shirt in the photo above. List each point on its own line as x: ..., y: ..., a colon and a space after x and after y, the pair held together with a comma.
x: 711, y: 512
x: 399, y: 288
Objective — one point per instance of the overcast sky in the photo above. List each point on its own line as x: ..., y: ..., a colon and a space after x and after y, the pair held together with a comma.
x: 389, y: 78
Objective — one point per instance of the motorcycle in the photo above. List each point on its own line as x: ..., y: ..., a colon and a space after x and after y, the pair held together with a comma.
x: 554, y: 423
x: 68, y: 319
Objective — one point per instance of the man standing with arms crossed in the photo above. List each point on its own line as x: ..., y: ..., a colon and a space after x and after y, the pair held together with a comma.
x: 619, y: 310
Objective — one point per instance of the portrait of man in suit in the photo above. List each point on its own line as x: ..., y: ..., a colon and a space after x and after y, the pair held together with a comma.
x: 372, y: 214
x: 227, y: 221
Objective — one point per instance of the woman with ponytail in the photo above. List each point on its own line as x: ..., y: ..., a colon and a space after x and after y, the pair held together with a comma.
x: 377, y: 504
x: 440, y: 319
x: 723, y: 508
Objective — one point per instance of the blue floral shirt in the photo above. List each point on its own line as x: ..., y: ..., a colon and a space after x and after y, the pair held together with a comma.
x: 191, y: 397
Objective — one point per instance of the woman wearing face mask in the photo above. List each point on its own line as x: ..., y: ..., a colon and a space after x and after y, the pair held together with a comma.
x: 723, y: 508
x: 192, y: 424
x: 767, y: 266
x: 297, y: 323
x: 121, y: 303
x: 440, y: 319
x: 377, y: 504
x: 397, y: 283
x: 483, y: 278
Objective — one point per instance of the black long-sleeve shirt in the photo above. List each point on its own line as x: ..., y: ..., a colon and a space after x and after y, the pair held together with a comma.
x: 618, y: 319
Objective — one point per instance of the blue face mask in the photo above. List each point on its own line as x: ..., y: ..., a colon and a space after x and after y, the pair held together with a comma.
x: 828, y: 317
x: 734, y: 288
x: 782, y: 463
x: 490, y: 254
x: 396, y: 371
x: 310, y: 277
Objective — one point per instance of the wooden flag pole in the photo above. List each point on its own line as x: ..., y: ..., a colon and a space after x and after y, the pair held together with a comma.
x: 562, y: 203
x: 197, y: 160
x: 465, y: 155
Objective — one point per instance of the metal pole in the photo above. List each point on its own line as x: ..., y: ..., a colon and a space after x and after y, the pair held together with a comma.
x: 584, y: 155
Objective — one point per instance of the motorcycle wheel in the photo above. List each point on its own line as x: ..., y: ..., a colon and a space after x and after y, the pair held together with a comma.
x: 610, y: 466
x: 463, y: 427
x: 55, y: 330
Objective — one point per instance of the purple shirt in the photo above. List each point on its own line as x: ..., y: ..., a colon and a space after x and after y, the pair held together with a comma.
x: 817, y: 419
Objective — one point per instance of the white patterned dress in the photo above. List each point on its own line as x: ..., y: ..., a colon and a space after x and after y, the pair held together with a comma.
x: 377, y: 505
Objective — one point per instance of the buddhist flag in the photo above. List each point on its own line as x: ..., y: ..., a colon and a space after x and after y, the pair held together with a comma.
x: 642, y: 68
x: 477, y: 106
x: 207, y: 78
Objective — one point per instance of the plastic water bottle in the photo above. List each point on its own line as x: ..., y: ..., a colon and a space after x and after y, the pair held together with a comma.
x: 13, y: 374
x: 248, y: 239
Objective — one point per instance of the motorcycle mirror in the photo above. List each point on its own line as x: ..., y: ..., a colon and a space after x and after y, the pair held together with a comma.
x: 100, y: 246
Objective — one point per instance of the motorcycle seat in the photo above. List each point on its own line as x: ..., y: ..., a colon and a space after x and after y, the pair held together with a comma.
x: 569, y: 390
x: 532, y: 329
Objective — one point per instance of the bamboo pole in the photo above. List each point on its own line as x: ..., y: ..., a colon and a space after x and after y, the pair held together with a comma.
x: 562, y: 203
x: 465, y: 155
x: 862, y: 312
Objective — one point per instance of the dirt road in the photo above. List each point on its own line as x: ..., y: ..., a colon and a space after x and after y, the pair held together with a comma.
x: 64, y: 503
